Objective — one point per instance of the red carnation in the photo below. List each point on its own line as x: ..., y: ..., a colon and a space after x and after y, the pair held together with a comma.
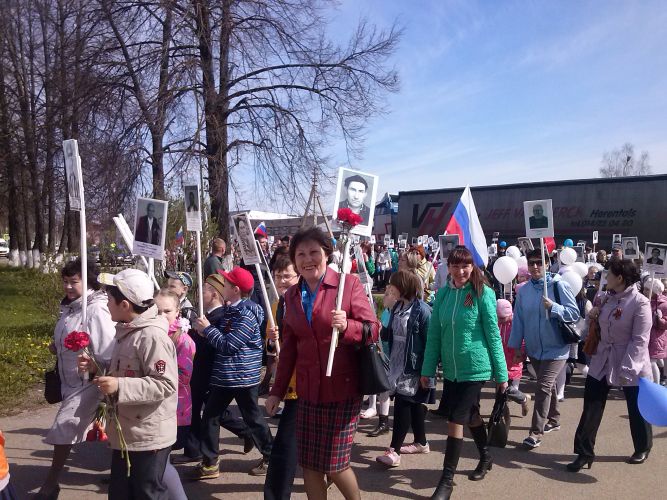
x: 347, y: 216
x: 75, y: 341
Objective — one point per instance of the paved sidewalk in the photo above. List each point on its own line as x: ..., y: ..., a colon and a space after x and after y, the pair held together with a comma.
x: 517, y: 474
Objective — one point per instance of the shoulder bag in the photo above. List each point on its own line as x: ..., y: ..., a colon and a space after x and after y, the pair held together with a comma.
x: 52, y: 392
x: 593, y: 339
x: 568, y: 330
x: 373, y: 365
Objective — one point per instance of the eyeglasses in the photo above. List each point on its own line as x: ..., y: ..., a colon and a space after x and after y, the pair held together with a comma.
x: 285, y: 277
x: 537, y: 263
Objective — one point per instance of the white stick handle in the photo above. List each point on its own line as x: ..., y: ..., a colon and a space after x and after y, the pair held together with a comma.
x: 84, y: 256
x: 339, y: 302
x: 200, y: 281
x: 270, y: 319
x: 544, y: 274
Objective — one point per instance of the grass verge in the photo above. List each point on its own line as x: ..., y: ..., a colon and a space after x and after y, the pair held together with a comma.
x: 29, y: 300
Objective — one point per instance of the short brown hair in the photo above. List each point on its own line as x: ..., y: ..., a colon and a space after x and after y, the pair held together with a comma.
x: 311, y: 234
x: 281, y: 263
x: 218, y: 245
x: 408, y: 284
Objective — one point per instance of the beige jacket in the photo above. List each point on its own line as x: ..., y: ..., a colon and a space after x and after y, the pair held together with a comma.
x: 144, y: 360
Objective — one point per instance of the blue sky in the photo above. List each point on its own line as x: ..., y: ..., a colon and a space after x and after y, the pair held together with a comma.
x: 496, y: 92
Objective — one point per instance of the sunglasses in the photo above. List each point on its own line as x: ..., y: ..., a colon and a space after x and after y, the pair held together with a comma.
x: 537, y: 263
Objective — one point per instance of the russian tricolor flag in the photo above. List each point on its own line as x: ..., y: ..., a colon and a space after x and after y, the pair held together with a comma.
x: 179, y: 236
x: 261, y: 229
x: 465, y: 223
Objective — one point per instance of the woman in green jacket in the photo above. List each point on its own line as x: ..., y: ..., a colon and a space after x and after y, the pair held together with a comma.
x: 464, y: 335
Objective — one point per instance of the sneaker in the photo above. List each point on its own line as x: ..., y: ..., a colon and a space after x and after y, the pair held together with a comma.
x: 369, y: 413
x: 390, y: 458
x: 415, y: 448
x: 532, y: 442
x: 202, y: 471
x: 551, y: 427
x: 260, y: 469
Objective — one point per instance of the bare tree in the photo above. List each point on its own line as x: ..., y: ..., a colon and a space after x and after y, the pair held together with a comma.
x: 623, y: 162
x: 276, y: 91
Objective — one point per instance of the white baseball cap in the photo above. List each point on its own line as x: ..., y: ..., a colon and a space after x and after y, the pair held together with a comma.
x: 134, y: 284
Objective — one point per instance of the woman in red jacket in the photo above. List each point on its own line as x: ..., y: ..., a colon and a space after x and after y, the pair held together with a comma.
x: 328, y: 410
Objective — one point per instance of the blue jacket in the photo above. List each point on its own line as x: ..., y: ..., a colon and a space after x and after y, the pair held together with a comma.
x: 541, y: 335
x: 238, y: 345
x: 415, y: 344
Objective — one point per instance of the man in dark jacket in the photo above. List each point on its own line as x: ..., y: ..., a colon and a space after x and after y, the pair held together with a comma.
x: 148, y: 228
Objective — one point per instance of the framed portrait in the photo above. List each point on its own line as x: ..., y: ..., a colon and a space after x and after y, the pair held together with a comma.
x: 539, y: 218
x: 192, y: 207
x: 150, y: 228
x: 73, y: 173
x: 630, y: 247
x: 595, y: 237
x: 447, y: 243
x: 526, y: 245
x: 403, y: 236
x: 414, y: 240
x: 581, y: 253
x: 616, y: 241
x: 358, y: 192
x: 493, y: 250
x: 245, y: 238
x: 387, y: 239
x: 372, y: 239
x: 402, y: 244
x: 391, y: 243
x: 420, y: 240
x: 655, y: 256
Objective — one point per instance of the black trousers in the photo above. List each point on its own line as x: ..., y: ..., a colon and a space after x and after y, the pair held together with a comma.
x: 219, y: 399
x: 145, y: 480
x: 283, y: 461
x: 199, y: 393
x: 407, y: 414
x: 595, y: 399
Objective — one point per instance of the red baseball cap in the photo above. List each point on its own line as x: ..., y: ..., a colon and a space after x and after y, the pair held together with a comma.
x: 240, y: 278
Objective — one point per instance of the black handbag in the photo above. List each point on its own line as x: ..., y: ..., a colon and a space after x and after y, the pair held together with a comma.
x: 373, y: 365
x: 500, y: 421
x: 52, y: 392
x: 567, y: 330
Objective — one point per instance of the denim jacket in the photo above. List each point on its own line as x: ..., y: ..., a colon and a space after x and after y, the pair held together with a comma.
x: 415, y: 344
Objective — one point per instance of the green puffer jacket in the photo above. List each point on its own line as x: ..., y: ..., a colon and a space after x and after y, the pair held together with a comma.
x: 464, y: 334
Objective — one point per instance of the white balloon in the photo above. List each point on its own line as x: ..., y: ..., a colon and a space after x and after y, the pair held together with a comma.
x: 580, y: 268
x: 513, y: 252
x: 568, y: 256
x: 574, y: 280
x: 505, y: 269
x: 522, y: 261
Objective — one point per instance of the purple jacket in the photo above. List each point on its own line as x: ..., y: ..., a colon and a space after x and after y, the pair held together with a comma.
x: 657, y: 346
x: 625, y: 328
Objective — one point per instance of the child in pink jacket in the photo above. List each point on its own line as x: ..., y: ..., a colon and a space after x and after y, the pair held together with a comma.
x: 657, y: 344
x: 514, y: 370
x: 168, y: 305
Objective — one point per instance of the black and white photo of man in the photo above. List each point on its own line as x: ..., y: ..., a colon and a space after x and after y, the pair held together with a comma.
x: 629, y: 248
x: 655, y: 257
x: 192, y: 202
x: 538, y: 219
x: 71, y: 164
x: 356, y: 190
x: 246, y: 239
x: 148, y: 228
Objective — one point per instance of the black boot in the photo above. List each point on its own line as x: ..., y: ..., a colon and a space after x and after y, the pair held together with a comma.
x: 382, y: 428
x: 446, y: 483
x: 485, y: 461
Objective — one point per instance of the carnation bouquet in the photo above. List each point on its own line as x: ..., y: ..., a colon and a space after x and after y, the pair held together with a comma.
x: 80, y: 342
x: 347, y: 219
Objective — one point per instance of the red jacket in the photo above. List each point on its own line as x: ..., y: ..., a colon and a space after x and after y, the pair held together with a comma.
x: 306, y: 347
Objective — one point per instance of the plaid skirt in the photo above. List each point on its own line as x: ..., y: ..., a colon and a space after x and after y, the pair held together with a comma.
x: 325, y: 432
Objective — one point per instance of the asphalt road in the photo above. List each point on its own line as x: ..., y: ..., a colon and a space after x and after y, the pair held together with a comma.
x: 517, y: 473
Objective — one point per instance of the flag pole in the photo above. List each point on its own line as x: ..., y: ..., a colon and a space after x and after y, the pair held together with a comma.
x: 200, y: 283
x: 544, y: 275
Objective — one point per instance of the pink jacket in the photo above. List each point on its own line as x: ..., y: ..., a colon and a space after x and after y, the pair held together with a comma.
x: 657, y: 345
x: 185, y: 353
x: 514, y: 370
x: 625, y: 328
